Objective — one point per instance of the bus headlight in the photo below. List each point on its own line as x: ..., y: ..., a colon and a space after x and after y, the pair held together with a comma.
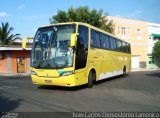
x: 67, y: 73
x: 33, y: 73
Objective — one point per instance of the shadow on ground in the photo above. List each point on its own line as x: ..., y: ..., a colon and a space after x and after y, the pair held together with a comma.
x: 62, y: 88
x: 15, y: 76
x: 47, y: 87
x: 7, y: 104
x: 4, y: 78
x: 154, y: 74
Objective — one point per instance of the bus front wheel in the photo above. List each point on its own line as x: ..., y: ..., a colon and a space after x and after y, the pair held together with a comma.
x: 90, y: 79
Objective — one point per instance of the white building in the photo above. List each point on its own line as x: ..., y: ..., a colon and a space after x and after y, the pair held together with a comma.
x: 154, y: 36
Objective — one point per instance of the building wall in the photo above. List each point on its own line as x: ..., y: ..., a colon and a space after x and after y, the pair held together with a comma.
x: 153, y: 28
x: 9, y: 63
x: 136, y: 33
x: 3, y: 63
x: 17, y: 54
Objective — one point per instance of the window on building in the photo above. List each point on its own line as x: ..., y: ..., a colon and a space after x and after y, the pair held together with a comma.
x: 128, y: 31
x: 151, y: 62
x: 156, y: 38
x: 119, y: 30
x: 150, y: 37
x: 124, y: 31
x: 138, y: 34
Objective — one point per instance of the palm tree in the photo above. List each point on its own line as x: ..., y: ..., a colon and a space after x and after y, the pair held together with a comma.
x: 6, y: 37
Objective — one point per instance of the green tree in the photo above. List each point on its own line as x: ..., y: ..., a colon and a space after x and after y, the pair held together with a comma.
x: 85, y: 15
x: 156, y: 49
x: 6, y: 37
x: 156, y: 53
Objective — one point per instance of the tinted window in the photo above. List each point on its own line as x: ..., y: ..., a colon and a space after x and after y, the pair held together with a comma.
x: 113, y: 43
x: 82, y: 47
x: 125, y: 49
x: 119, y: 45
x: 50, y: 45
x: 128, y: 48
x: 95, y: 38
x: 104, y: 41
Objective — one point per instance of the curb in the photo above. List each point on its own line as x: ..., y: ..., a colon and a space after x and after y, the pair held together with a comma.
x: 139, y: 69
x: 15, y: 74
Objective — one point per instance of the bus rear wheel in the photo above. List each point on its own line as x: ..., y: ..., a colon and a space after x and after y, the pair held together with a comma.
x: 124, y: 72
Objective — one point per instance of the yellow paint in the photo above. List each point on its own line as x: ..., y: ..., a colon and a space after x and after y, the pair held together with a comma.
x: 105, y: 61
x: 73, y: 40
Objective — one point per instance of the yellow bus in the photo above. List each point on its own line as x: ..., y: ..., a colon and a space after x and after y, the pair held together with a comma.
x: 74, y: 53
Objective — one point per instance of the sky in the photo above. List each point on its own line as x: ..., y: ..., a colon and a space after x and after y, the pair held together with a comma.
x: 25, y: 16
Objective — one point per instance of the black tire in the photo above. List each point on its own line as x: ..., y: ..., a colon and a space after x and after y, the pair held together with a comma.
x: 90, y: 80
x: 124, y: 72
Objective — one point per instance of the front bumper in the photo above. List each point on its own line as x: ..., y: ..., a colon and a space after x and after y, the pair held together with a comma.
x: 69, y: 80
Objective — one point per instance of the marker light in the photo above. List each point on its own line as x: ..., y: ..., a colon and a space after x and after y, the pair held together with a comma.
x: 67, y: 73
x: 33, y: 73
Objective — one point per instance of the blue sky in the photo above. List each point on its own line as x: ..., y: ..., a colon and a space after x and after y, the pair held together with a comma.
x: 27, y: 15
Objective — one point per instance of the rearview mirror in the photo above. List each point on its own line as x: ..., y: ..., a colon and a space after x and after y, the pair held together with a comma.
x: 73, y: 40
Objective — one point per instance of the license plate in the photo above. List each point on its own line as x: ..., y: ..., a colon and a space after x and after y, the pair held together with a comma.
x: 48, y: 81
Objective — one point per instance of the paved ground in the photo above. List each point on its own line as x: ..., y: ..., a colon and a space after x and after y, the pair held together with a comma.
x: 139, y: 91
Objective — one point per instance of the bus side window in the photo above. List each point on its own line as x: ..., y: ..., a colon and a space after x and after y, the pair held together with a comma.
x: 113, y: 43
x: 119, y: 45
x: 125, y: 47
x: 107, y: 41
x: 95, y: 39
x: 129, y: 48
x: 104, y: 41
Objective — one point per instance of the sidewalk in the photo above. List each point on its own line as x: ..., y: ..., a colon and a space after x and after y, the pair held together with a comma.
x: 143, y: 69
x: 14, y: 74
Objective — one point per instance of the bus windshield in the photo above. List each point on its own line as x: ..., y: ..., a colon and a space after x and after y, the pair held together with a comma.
x: 51, y: 47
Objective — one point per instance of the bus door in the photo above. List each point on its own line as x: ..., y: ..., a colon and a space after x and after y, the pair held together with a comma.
x: 81, y: 49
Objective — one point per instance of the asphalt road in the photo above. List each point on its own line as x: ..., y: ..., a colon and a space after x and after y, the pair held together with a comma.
x: 139, y: 91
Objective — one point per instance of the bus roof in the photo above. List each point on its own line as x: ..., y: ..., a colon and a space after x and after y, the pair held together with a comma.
x: 85, y: 24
